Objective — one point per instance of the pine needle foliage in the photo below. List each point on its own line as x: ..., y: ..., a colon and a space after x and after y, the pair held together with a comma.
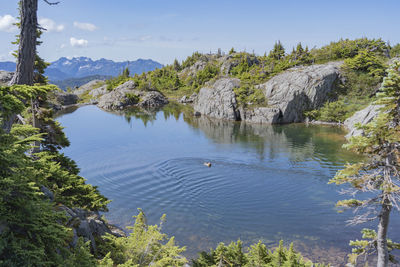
x: 146, y: 245
x: 378, y: 175
x: 258, y: 255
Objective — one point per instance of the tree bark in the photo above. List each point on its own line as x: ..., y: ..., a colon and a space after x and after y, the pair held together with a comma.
x: 24, y: 73
x: 383, y: 254
x: 27, y: 43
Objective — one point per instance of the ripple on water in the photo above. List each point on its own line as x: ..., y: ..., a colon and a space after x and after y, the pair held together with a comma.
x: 204, y: 200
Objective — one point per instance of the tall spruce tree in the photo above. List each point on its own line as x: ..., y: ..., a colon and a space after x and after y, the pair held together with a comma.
x: 379, y: 175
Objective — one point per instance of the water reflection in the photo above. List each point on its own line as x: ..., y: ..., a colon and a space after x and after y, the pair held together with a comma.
x: 267, y: 182
x: 300, y: 141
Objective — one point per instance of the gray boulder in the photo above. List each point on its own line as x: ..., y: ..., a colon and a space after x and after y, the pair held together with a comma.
x: 98, y: 91
x: 193, y: 69
x: 66, y: 99
x: 87, y: 87
x: 300, y: 89
x: 190, y: 99
x: 5, y: 77
x: 126, y: 95
x: 228, y: 62
x: 120, y: 97
x: 89, y: 225
x: 363, y: 117
x: 219, y: 101
x: 151, y: 99
x: 288, y: 94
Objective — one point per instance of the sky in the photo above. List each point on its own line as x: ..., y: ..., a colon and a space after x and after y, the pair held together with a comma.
x: 163, y: 30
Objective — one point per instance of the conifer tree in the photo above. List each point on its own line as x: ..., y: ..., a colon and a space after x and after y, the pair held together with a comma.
x: 176, y: 65
x: 278, y: 52
x: 126, y: 73
x: 379, y: 175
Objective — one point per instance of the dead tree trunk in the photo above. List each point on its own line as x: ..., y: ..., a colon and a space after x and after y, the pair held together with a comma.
x: 27, y: 43
x: 383, y: 255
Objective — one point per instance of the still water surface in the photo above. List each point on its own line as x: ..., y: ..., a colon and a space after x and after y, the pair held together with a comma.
x: 266, y: 182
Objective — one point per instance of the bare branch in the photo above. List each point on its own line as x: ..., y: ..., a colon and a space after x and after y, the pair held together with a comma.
x: 363, y: 218
x: 51, y: 3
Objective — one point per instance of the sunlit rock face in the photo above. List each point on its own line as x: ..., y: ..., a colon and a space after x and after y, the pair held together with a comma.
x: 289, y: 95
x: 363, y: 117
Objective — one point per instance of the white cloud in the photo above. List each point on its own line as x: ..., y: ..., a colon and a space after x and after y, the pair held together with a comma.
x: 78, y: 42
x: 145, y: 38
x: 7, y: 23
x: 85, y: 26
x: 50, y: 25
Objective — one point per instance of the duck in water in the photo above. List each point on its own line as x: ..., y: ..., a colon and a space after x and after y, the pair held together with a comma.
x: 208, y: 164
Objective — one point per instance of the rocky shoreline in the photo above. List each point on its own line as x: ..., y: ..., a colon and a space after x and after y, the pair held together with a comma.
x: 288, y: 94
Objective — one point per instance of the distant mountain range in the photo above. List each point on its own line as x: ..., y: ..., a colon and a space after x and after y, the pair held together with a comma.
x: 82, y: 67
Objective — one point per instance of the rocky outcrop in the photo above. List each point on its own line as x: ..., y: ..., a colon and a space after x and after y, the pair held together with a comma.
x: 300, y: 89
x: 5, y: 77
x: 66, y: 99
x: 88, y: 87
x: 152, y: 99
x: 120, y: 97
x: 126, y: 95
x: 288, y: 94
x: 363, y: 117
x: 95, y: 93
x: 89, y: 225
x: 219, y: 101
x: 228, y: 62
x: 190, y: 99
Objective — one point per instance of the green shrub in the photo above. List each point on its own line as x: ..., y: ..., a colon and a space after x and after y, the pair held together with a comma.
x: 248, y: 95
x: 257, y: 255
x: 346, y: 48
x: 190, y: 60
x: 146, y: 245
x: 132, y: 97
x: 116, y: 81
x: 209, y: 72
x: 338, y: 111
x: 367, y: 62
x: 395, y: 51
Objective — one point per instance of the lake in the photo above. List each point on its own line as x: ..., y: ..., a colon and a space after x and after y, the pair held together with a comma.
x: 266, y: 182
